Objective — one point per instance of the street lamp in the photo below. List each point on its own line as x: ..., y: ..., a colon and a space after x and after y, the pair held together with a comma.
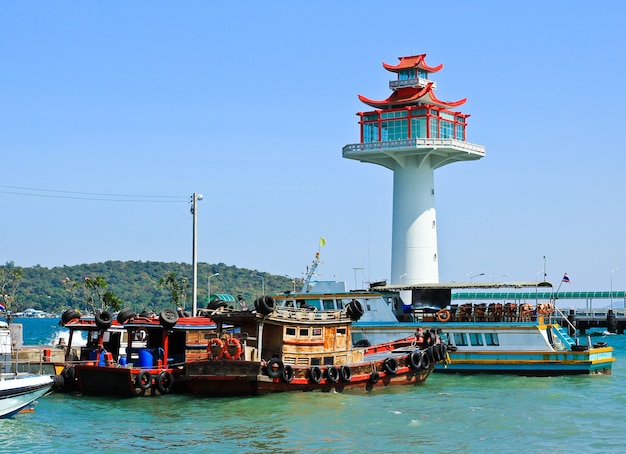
x: 476, y: 275
x: 194, y: 259
x: 611, y: 294
x: 209, y: 285
x: 262, y: 283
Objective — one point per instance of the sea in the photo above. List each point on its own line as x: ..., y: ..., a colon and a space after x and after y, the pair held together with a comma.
x: 447, y: 414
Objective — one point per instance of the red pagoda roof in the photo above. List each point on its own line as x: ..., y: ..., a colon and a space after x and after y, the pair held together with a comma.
x: 414, y: 61
x: 411, y: 96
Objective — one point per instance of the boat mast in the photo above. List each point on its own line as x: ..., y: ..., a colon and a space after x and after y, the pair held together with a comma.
x: 310, y: 273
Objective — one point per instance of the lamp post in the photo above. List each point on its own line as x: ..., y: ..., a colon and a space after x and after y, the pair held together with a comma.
x: 611, y: 293
x: 476, y: 275
x: 194, y: 259
x: 262, y: 283
x: 209, y: 285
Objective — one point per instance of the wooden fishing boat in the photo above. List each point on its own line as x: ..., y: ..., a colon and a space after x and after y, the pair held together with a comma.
x: 272, y: 349
x: 132, y: 355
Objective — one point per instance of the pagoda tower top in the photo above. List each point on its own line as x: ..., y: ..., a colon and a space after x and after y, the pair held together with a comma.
x: 412, y: 87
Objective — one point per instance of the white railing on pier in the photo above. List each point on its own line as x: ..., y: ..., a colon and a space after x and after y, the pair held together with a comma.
x: 414, y: 143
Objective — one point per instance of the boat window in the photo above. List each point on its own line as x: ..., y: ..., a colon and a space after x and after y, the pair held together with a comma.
x: 460, y: 339
x: 290, y: 331
x: 491, y: 339
x: 315, y: 362
x: 329, y: 360
x: 341, y: 331
x: 476, y: 338
x: 304, y: 332
x: 317, y: 331
x: 328, y: 305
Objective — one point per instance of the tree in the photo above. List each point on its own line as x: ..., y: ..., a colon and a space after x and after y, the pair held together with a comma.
x: 177, y: 288
x: 10, y: 277
x: 93, y: 293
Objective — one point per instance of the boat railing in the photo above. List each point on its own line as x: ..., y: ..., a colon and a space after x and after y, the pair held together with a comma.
x: 291, y: 313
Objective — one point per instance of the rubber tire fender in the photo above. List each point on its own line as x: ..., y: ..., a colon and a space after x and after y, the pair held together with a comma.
x: 143, y: 380
x: 345, y: 373
x: 104, y: 320
x: 165, y: 382
x: 315, y: 374
x: 274, y: 372
x: 415, y: 360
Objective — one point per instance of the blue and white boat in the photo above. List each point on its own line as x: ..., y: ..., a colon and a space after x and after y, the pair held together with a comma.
x: 514, y: 337
x: 19, y: 391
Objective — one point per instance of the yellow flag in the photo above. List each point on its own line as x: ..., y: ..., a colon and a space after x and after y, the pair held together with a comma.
x: 322, y: 241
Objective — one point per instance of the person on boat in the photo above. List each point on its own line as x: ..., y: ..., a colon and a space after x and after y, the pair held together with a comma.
x: 242, y: 303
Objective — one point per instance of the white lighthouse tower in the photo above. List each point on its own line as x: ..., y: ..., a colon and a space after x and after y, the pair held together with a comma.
x: 412, y: 132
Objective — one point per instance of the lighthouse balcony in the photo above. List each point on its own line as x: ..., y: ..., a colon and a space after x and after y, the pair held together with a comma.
x: 389, y: 153
x: 412, y: 82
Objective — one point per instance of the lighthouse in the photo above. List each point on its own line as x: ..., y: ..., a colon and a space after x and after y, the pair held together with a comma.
x: 412, y: 133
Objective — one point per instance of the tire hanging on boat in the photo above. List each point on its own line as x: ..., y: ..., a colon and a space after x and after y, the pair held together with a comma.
x: 69, y: 315
x: 264, y: 304
x: 374, y: 377
x: 415, y: 360
x: 143, y: 380
x: 165, y: 382
x: 345, y: 373
x: 315, y: 374
x: 332, y: 374
x: 429, y: 338
x: 274, y: 368
x: 287, y: 374
x: 125, y: 315
x: 391, y: 366
x: 425, y: 361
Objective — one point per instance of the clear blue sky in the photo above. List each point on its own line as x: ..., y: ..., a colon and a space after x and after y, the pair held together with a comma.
x: 250, y: 103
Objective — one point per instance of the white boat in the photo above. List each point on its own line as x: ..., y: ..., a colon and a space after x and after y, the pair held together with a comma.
x: 516, y: 337
x: 18, y: 391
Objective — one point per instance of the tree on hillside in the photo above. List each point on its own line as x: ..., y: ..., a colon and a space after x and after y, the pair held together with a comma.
x: 92, y: 292
x: 10, y: 277
x: 177, y: 287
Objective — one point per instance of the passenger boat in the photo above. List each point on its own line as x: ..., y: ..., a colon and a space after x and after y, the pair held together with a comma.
x: 517, y: 336
x: 132, y: 355
x: 19, y: 391
x: 277, y: 349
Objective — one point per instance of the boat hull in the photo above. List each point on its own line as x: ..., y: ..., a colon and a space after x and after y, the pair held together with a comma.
x: 123, y: 381
x: 18, y: 392
x: 239, y: 378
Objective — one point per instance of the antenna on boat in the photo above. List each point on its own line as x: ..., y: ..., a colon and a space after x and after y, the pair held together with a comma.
x: 311, y: 271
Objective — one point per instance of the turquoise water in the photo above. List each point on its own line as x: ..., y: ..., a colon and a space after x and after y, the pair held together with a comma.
x: 448, y: 414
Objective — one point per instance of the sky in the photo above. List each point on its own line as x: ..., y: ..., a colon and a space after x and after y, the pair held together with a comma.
x: 113, y: 114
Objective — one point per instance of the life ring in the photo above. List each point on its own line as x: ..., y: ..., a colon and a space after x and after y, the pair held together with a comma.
x: 141, y: 335
x: 165, y: 382
x: 374, y: 377
x: 443, y: 315
x: 274, y: 368
x: 143, y: 380
x: 391, y: 366
x: 215, y: 349
x: 425, y: 361
x: 332, y: 374
x: 345, y: 373
x: 315, y: 374
x: 415, y: 359
x: 232, y: 344
x: 287, y: 374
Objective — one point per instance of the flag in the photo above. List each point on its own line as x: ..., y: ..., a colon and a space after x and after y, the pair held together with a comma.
x: 2, y: 308
x: 322, y: 241
x: 566, y: 278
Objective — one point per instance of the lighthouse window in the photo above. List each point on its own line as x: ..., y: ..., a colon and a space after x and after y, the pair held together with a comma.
x: 370, y: 117
x: 423, y: 74
x: 395, y: 130
x: 434, y: 127
x: 460, y: 132
x: 418, y: 128
x: 395, y: 114
x: 370, y: 132
x: 447, y: 129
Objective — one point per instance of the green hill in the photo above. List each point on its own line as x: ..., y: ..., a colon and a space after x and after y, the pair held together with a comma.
x: 137, y: 284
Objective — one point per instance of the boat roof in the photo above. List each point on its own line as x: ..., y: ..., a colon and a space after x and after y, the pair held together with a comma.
x: 461, y: 285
